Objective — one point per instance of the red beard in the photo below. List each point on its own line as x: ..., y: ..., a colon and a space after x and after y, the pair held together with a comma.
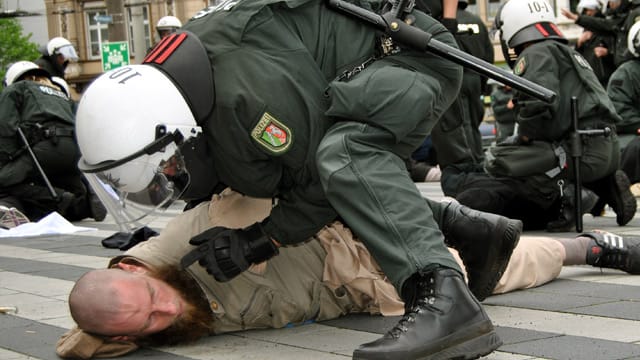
x: 194, y: 323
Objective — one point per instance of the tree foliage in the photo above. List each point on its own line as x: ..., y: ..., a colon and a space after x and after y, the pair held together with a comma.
x: 14, y: 45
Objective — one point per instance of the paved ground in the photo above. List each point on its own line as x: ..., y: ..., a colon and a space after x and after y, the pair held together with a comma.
x: 587, y: 313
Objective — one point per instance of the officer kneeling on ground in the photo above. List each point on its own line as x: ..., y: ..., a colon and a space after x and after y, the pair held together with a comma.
x: 38, y: 152
x: 533, y: 171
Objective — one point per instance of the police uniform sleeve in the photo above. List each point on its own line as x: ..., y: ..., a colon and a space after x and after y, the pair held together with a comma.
x: 299, y: 214
x: 535, y: 116
x: 598, y: 24
x: 623, y: 90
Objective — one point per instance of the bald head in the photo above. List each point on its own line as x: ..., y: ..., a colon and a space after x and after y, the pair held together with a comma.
x: 95, y: 298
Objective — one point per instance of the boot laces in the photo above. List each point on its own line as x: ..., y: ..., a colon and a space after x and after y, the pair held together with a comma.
x: 425, y: 301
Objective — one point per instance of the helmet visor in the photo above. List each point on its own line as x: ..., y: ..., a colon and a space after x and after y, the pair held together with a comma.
x: 142, y: 188
x: 68, y: 53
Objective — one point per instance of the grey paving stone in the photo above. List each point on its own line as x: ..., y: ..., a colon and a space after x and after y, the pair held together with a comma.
x: 574, y: 348
x: 618, y: 309
x: 26, y: 266
x: 584, y: 288
x: 38, y: 340
x: 579, y: 297
x: 511, y: 335
x: 40, y: 268
x: 364, y: 322
x: 540, y: 300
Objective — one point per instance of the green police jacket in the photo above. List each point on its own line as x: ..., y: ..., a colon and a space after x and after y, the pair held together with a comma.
x: 272, y: 62
x: 559, y: 68
x: 624, y: 91
x: 34, y: 107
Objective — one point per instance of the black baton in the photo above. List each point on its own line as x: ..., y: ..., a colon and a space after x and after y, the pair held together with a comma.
x: 419, y: 39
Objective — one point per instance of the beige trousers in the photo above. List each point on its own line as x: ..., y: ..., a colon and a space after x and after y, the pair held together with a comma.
x: 535, y: 261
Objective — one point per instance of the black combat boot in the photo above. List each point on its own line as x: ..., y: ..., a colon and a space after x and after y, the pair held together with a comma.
x: 615, y: 190
x: 484, y: 241
x: 620, y: 198
x: 445, y: 321
x: 567, y: 219
x: 613, y: 251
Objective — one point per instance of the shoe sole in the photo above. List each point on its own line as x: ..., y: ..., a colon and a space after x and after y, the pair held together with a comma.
x: 480, y: 339
x: 471, y: 349
x: 625, y: 203
x: 510, y: 238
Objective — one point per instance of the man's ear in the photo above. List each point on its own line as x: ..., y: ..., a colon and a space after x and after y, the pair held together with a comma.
x: 132, y: 268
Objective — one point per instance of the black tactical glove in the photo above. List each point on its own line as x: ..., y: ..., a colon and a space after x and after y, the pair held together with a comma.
x: 226, y: 253
x: 450, y: 24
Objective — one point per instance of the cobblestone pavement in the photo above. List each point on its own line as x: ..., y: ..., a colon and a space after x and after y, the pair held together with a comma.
x: 587, y: 313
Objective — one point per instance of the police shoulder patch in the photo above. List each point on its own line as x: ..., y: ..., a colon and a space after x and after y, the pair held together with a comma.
x: 272, y: 134
x: 520, y: 66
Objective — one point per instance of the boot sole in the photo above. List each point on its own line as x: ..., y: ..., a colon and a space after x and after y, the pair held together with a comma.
x: 471, y: 349
x: 511, y: 236
x: 625, y: 203
x: 480, y: 339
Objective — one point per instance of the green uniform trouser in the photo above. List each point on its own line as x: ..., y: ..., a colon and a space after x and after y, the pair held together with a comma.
x: 361, y: 162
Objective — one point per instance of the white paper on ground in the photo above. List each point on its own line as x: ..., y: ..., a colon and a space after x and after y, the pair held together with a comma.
x: 53, y: 223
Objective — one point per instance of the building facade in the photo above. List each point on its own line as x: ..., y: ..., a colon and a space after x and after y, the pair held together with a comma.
x: 90, y: 23
x: 87, y: 24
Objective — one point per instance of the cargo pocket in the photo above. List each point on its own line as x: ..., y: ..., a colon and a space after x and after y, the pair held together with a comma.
x: 267, y: 308
x: 330, y: 304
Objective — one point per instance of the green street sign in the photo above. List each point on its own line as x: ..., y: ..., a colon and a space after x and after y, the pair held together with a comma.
x: 114, y: 55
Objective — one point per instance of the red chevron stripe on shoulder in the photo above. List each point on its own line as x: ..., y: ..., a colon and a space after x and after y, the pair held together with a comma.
x: 542, y: 30
x: 165, y: 48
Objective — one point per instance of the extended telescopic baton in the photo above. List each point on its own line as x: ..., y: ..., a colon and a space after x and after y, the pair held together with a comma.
x: 401, y: 32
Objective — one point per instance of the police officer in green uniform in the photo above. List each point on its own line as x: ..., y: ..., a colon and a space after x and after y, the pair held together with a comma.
x: 296, y: 101
x: 624, y: 88
x: 596, y: 46
x: 56, y: 55
x: 624, y: 91
x: 613, y: 24
x: 44, y: 113
x: 538, y: 157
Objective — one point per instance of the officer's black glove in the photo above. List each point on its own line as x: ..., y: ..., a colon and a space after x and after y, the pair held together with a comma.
x: 450, y: 24
x: 226, y: 253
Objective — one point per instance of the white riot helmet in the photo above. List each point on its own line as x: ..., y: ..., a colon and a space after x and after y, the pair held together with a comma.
x: 21, y: 68
x: 588, y: 4
x: 138, y: 134
x: 167, y: 25
x: 633, y: 39
x: 130, y: 124
x: 62, y: 46
x: 523, y: 21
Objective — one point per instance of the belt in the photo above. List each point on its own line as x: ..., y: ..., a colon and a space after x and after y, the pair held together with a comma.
x: 51, y: 132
